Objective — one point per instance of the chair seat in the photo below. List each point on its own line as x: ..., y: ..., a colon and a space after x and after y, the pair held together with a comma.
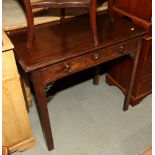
x: 60, y: 3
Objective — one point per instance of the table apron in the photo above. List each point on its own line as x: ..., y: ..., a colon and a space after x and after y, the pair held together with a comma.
x: 70, y: 66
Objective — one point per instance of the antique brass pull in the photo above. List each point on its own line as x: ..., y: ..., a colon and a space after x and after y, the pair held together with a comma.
x: 96, y: 56
x: 132, y: 54
x: 68, y: 68
x: 121, y: 49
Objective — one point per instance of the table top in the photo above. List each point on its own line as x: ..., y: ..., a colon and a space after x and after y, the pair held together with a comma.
x: 55, y: 42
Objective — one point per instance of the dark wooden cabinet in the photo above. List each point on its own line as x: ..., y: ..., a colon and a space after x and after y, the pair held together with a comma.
x: 139, y: 8
x: 119, y: 74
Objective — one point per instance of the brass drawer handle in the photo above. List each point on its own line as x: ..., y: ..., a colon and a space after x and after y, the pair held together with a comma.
x: 96, y: 56
x: 68, y: 68
x: 122, y: 49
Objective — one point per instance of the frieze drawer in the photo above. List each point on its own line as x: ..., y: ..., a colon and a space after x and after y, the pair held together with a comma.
x: 88, y: 60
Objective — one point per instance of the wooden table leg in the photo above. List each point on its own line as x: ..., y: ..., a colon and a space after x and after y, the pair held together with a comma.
x: 40, y: 95
x: 132, y: 78
x: 96, y: 77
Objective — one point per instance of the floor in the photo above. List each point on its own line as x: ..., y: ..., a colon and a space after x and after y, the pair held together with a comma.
x: 88, y: 120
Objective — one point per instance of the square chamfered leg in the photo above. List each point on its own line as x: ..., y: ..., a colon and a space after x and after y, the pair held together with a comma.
x: 135, y: 59
x: 40, y: 95
x: 96, y: 77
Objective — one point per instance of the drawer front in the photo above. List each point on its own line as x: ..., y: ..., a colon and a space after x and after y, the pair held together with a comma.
x: 147, y: 69
x: 145, y: 86
x: 79, y: 63
x: 147, y: 46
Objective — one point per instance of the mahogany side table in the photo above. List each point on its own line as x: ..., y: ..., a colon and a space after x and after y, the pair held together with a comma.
x: 62, y: 49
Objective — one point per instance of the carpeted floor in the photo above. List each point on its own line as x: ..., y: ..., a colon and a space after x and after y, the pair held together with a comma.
x: 88, y: 120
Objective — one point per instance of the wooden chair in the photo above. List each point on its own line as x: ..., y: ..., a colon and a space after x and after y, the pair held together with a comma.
x: 62, y: 4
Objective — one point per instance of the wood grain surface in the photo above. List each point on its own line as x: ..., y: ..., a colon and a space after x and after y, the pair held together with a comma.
x: 55, y: 42
x: 17, y: 133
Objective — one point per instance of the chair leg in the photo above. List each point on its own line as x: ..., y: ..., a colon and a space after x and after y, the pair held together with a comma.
x: 96, y: 77
x: 93, y: 23
x: 110, y: 8
x: 30, y: 37
x: 30, y: 22
x: 62, y: 11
